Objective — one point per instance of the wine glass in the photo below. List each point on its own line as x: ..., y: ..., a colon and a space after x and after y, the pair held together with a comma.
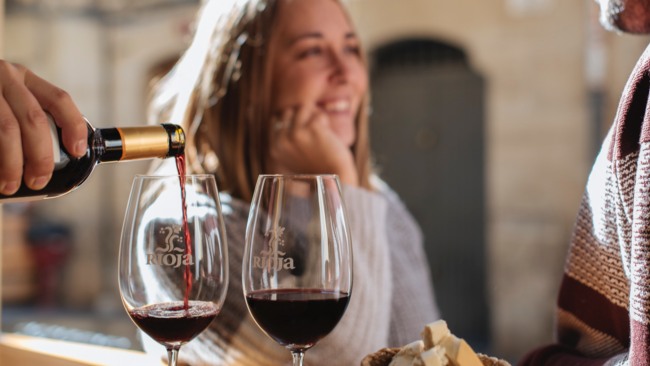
x: 297, y: 266
x: 173, y: 266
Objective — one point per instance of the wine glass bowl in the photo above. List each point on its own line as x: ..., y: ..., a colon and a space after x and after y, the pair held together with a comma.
x: 297, y: 318
x: 173, y: 266
x: 297, y: 267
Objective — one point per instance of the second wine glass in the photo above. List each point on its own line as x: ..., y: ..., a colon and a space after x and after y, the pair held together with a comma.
x: 297, y: 268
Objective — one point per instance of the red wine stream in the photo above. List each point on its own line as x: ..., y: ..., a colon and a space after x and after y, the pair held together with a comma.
x: 180, y: 166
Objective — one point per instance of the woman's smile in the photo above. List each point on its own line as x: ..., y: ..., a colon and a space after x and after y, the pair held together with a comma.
x: 336, y: 106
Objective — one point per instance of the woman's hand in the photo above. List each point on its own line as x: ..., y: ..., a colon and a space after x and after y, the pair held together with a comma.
x: 25, y: 139
x: 303, y: 143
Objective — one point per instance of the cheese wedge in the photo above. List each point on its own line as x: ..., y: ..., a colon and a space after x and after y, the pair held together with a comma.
x: 434, y: 357
x: 442, y: 354
x: 408, y: 354
x: 433, y: 333
x: 459, y: 352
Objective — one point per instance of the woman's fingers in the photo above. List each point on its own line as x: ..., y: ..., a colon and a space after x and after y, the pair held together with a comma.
x: 11, y: 151
x: 285, y: 123
x: 307, y: 144
x: 304, y: 114
x: 314, y: 127
x: 34, y: 131
x: 300, y: 131
x: 65, y: 113
x: 320, y: 120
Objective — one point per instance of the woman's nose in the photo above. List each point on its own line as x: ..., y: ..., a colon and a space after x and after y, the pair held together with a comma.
x: 340, y: 68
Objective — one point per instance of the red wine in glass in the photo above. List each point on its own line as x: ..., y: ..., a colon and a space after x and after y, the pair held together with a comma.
x: 297, y: 318
x: 171, y: 323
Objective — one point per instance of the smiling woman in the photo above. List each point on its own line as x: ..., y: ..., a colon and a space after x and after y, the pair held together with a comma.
x: 319, y: 82
x: 289, y: 95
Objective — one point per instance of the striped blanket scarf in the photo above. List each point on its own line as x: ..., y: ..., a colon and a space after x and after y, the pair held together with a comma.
x: 603, y: 309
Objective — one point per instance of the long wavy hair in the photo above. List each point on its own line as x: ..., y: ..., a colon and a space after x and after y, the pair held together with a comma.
x: 219, y: 91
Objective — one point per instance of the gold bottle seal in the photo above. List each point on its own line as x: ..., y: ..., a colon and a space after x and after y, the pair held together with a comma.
x: 144, y: 142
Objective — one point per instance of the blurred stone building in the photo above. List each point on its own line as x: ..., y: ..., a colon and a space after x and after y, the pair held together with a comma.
x: 104, y: 53
x: 550, y: 76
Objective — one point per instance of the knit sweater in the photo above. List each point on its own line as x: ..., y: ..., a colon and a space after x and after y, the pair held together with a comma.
x: 603, y: 309
x: 391, y: 300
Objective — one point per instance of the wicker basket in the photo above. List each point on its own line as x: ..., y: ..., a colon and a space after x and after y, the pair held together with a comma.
x: 384, y: 356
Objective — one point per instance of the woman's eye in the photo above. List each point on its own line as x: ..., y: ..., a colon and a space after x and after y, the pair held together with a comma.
x: 314, y: 51
x: 354, y: 50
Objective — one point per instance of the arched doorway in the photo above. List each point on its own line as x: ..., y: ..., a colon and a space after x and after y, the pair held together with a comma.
x: 427, y: 136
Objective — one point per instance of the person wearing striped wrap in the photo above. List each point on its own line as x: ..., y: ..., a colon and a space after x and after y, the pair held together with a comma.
x: 603, y: 308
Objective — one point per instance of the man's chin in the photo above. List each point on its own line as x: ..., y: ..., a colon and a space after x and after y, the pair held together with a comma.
x: 629, y: 16
x: 610, y: 12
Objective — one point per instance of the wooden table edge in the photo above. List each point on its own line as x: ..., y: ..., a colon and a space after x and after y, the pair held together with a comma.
x: 25, y: 350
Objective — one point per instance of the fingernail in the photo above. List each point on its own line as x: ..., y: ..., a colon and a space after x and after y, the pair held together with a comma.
x: 80, y: 148
x: 11, y: 187
x: 40, y: 182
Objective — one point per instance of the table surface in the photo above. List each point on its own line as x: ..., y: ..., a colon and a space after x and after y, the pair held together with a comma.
x: 27, y: 351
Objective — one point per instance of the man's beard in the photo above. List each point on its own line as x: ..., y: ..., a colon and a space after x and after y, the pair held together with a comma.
x: 609, y: 13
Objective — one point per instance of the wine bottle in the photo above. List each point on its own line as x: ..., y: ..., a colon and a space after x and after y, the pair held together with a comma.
x: 105, y: 145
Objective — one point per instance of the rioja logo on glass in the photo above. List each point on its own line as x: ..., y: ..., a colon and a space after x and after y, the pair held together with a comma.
x: 170, y: 258
x: 273, y: 257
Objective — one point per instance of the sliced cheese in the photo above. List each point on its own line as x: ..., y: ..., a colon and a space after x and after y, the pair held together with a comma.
x: 433, y: 333
x: 442, y: 354
x: 451, y: 343
x: 466, y: 355
x: 432, y: 358
x: 459, y: 352
x: 408, y: 354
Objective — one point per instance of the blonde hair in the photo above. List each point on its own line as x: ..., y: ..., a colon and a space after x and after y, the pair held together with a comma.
x: 220, y: 92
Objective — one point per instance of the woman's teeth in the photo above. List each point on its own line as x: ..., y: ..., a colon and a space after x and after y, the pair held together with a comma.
x: 339, y: 106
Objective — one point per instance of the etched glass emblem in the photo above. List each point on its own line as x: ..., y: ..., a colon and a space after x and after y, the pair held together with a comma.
x: 170, y: 259
x: 273, y: 257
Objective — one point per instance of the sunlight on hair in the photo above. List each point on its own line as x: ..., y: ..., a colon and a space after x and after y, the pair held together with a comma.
x: 194, y: 72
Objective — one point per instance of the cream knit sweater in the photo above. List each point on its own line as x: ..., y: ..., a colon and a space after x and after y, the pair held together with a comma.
x: 391, y: 300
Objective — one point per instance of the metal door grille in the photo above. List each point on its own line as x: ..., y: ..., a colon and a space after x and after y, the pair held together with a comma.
x: 427, y: 138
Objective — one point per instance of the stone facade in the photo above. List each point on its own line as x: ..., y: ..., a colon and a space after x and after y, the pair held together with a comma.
x: 102, y: 57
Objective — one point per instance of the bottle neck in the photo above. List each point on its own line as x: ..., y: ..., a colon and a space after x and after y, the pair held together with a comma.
x: 135, y: 143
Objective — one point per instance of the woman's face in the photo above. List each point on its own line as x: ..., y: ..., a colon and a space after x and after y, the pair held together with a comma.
x: 316, y: 63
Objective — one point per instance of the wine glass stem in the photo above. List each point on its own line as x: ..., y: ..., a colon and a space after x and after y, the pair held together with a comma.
x: 173, y: 356
x: 297, y: 358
